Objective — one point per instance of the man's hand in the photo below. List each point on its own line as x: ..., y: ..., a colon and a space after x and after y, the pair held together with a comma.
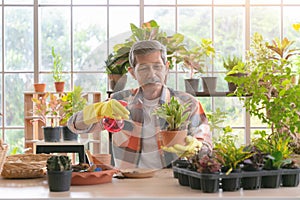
x: 110, y: 109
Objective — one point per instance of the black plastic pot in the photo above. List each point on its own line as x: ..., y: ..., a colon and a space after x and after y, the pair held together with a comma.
x: 290, y: 177
x: 271, y: 179
x: 251, y: 180
x: 180, y: 164
x: 59, y: 181
x: 52, y: 134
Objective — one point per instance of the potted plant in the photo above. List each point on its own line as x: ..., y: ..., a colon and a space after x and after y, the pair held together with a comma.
x: 59, y: 172
x: 117, y: 62
x: 195, y: 59
x: 276, y: 146
x: 39, y: 87
x: 47, y: 108
x: 273, y: 94
x: 230, y: 155
x: 175, y: 114
x: 234, y: 65
x: 57, y: 71
x: 71, y: 102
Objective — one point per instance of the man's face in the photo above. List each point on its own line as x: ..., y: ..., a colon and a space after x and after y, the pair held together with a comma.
x: 150, y: 71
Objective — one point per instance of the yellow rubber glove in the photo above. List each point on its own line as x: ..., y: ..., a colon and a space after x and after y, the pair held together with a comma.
x: 110, y: 109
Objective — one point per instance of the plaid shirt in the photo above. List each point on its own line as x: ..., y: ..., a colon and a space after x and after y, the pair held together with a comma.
x: 127, y: 144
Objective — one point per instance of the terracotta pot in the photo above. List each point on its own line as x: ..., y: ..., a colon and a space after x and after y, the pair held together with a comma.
x: 59, y: 86
x: 39, y: 87
x: 169, y: 138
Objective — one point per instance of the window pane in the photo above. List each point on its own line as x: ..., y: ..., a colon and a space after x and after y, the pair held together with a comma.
x: 91, y: 82
x: 195, y: 23
x: 18, y: 22
x: 291, y: 15
x: 291, y: 2
x: 1, y: 39
x: 89, y: 35
x: 203, y: 2
x: 264, y: 1
x: 268, y: 23
x: 124, y: 2
x: 55, y: 2
x: 159, y: 2
x: 164, y: 16
x: 89, y: 2
x: 15, y: 139
x: 27, y: 2
x: 14, y: 100
x: 55, y: 31
x: 229, y: 2
x: 120, y: 19
x: 228, y: 40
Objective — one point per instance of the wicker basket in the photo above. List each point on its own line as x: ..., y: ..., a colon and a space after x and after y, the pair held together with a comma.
x: 3, y: 151
x: 25, y: 166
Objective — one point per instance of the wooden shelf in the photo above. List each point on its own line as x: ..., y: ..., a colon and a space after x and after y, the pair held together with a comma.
x: 33, y: 129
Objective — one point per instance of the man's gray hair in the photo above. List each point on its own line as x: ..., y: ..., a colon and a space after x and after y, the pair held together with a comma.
x: 144, y: 47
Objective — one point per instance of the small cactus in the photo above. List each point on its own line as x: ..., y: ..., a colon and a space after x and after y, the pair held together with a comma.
x: 59, y: 163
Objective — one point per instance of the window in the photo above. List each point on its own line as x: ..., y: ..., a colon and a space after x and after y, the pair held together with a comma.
x: 84, y: 32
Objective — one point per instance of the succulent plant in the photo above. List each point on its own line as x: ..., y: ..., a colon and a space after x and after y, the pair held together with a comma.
x: 59, y: 163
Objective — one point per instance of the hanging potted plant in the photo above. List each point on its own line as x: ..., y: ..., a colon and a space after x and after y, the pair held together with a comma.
x: 46, y: 109
x: 175, y: 114
x: 57, y: 71
x: 59, y: 173
x: 195, y: 59
x: 71, y: 102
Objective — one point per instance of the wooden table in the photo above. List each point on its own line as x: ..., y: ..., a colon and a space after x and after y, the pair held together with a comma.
x: 162, y: 186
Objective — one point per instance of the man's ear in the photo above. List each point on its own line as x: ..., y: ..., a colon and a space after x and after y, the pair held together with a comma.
x: 131, y: 71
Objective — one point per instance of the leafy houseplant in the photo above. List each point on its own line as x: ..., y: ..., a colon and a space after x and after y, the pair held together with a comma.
x: 273, y: 94
x: 47, y: 108
x: 57, y: 71
x: 234, y: 65
x: 195, y: 60
x: 71, y: 102
x: 228, y: 153
x: 176, y: 116
x: 59, y: 171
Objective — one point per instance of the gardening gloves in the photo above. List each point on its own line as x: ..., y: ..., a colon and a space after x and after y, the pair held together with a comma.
x: 111, y: 109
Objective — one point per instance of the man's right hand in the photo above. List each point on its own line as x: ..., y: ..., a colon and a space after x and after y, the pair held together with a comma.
x: 110, y: 109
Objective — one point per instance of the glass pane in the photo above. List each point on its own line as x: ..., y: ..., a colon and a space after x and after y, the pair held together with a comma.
x: 267, y: 24
x: 195, y: 23
x: 18, y: 23
x: 164, y: 16
x: 228, y: 40
x: 120, y: 19
x: 224, y: 2
x: 124, y: 2
x: 89, y: 35
x: 92, y: 82
x: 290, y: 17
x: 15, y: 139
x: 202, y: 2
x: 13, y: 95
x: 55, y: 2
x: 55, y: 32
x: 89, y: 2
x: 264, y: 1
x: 1, y: 104
x: 25, y: 2
x: 291, y: 2
x: 159, y: 2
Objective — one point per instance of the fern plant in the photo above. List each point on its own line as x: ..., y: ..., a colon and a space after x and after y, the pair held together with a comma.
x: 175, y: 113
